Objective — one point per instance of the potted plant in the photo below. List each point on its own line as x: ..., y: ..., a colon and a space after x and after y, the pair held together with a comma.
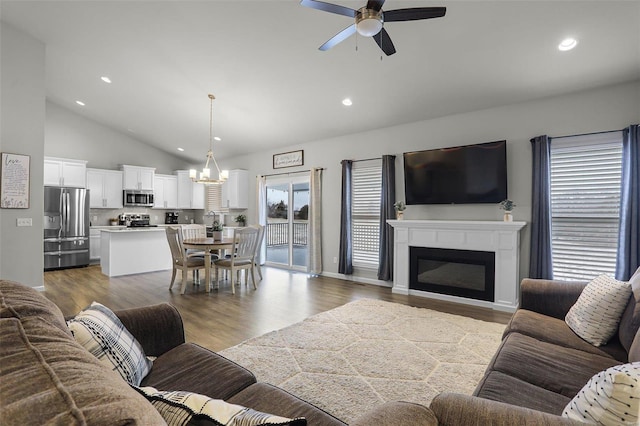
x: 508, y: 206
x: 216, y: 228
x: 114, y: 221
x: 241, y: 220
x: 400, y: 208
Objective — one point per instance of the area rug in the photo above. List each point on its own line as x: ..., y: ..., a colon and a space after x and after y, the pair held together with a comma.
x: 362, y: 354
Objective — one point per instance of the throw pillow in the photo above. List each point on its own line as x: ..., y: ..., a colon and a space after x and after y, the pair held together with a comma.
x: 596, y: 313
x: 611, y: 397
x: 179, y: 408
x: 100, y: 332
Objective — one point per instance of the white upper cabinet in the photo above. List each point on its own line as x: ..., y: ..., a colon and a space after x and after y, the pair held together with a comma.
x: 235, y: 191
x: 136, y: 177
x: 190, y: 194
x: 65, y: 172
x: 105, y: 188
x: 165, y: 192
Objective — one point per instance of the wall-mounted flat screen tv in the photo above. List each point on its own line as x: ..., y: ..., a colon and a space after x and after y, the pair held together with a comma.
x: 467, y: 174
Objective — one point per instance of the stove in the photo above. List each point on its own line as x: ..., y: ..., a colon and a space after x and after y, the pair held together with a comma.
x: 134, y: 220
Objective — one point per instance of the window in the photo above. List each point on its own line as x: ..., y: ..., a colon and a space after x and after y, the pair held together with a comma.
x: 367, y: 187
x: 585, y: 204
x: 213, y: 199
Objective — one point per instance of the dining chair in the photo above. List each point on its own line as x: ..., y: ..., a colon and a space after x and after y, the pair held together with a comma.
x: 245, y: 241
x: 256, y: 254
x: 181, y: 260
x: 195, y: 230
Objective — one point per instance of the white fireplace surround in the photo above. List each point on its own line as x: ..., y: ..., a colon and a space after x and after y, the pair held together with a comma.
x: 502, y: 238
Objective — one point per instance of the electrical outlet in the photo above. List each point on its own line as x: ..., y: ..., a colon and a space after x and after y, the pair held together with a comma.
x: 24, y: 221
x: 186, y: 217
x: 95, y: 218
x: 335, y: 259
x: 155, y: 217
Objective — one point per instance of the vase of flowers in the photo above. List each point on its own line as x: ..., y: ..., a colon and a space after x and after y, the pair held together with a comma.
x: 216, y: 229
x: 508, y: 206
x: 400, y: 208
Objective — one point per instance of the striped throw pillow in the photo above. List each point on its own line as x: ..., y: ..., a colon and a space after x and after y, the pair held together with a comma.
x: 596, y: 313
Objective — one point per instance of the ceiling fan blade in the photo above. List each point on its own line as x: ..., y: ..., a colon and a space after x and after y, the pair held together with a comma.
x: 414, y: 14
x: 375, y: 4
x: 338, y: 38
x: 385, y: 43
x: 329, y: 7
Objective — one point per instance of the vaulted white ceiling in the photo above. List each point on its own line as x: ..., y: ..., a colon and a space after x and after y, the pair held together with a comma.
x: 275, y: 88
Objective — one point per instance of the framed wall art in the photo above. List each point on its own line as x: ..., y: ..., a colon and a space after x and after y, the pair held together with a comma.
x: 14, y: 181
x: 288, y: 159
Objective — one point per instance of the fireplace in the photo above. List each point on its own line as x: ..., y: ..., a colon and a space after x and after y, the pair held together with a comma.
x: 463, y: 273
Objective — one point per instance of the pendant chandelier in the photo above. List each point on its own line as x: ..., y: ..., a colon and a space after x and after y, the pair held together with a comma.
x: 205, y: 174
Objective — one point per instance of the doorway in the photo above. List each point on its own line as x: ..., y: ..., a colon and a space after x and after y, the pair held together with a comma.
x: 287, y: 225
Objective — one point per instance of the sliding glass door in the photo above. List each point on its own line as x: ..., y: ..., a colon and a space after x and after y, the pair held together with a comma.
x: 287, y: 222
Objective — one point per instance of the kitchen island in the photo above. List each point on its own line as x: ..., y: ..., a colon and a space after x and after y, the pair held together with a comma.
x: 127, y: 251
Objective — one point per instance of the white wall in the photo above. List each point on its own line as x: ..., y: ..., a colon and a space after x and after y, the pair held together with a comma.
x: 70, y: 135
x: 22, y: 111
x: 607, y: 108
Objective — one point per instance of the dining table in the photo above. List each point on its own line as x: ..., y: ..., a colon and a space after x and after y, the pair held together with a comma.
x: 208, y: 245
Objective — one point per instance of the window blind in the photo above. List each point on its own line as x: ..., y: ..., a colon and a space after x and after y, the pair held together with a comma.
x: 585, y: 205
x: 365, y: 211
x: 213, y: 199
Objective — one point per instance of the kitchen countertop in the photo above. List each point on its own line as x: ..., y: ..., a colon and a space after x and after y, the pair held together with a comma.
x: 120, y: 229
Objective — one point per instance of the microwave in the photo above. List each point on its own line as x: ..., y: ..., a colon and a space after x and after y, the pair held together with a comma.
x: 139, y: 198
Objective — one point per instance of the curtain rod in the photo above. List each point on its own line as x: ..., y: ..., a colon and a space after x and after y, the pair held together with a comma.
x: 290, y: 173
x: 364, y: 159
x: 586, y: 134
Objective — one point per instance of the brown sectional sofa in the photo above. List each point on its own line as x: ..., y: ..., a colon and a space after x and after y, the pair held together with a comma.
x: 46, y: 377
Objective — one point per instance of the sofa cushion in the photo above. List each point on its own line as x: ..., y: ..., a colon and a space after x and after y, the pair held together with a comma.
x: 47, y: 378
x: 596, y: 314
x: 190, y: 367
x: 180, y: 408
x: 101, y: 333
x: 20, y: 301
x: 265, y: 397
x: 556, y: 331
x: 501, y: 387
x: 556, y: 368
x: 610, y: 398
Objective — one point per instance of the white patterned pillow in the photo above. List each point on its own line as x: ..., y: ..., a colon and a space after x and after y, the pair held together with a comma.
x: 596, y: 313
x: 179, y: 408
x: 611, y: 397
x: 100, y: 332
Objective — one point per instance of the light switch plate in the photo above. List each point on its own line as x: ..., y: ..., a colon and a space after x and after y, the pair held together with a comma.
x: 24, y: 221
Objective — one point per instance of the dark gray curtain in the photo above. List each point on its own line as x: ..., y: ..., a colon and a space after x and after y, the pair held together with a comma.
x: 541, y: 263
x: 387, y: 211
x: 628, y: 258
x: 345, y: 255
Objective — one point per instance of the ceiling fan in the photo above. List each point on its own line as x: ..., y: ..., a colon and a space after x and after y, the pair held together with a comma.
x: 369, y: 21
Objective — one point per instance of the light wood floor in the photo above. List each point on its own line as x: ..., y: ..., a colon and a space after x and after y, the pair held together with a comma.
x: 219, y: 320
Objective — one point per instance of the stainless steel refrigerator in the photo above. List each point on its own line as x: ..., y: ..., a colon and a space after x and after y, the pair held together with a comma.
x: 66, y: 227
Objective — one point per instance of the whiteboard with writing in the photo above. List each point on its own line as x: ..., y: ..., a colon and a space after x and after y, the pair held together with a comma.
x: 14, y: 181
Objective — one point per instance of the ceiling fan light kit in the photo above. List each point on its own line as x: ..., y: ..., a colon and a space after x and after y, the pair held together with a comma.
x: 370, y: 19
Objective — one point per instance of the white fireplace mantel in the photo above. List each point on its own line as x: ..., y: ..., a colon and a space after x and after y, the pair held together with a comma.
x: 502, y: 238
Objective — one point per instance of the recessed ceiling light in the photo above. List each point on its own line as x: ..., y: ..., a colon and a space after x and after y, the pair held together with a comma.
x: 218, y: 138
x: 106, y: 79
x: 347, y: 102
x: 567, y: 44
x: 80, y: 103
x: 181, y: 149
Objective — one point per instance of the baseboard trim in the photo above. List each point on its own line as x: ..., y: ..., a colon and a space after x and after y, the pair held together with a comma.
x: 358, y: 279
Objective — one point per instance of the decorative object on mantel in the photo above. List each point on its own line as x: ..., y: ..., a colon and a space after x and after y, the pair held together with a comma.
x: 205, y: 175
x: 400, y: 208
x: 216, y: 228
x: 507, y: 205
x: 288, y: 159
x: 14, y: 181
x: 241, y: 220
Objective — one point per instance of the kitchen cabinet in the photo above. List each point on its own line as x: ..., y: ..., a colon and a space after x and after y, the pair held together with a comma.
x: 94, y: 244
x: 105, y: 188
x: 165, y: 192
x: 136, y: 177
x: 235, y: 191
x: 190, y: 194
x: 65, y: 172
